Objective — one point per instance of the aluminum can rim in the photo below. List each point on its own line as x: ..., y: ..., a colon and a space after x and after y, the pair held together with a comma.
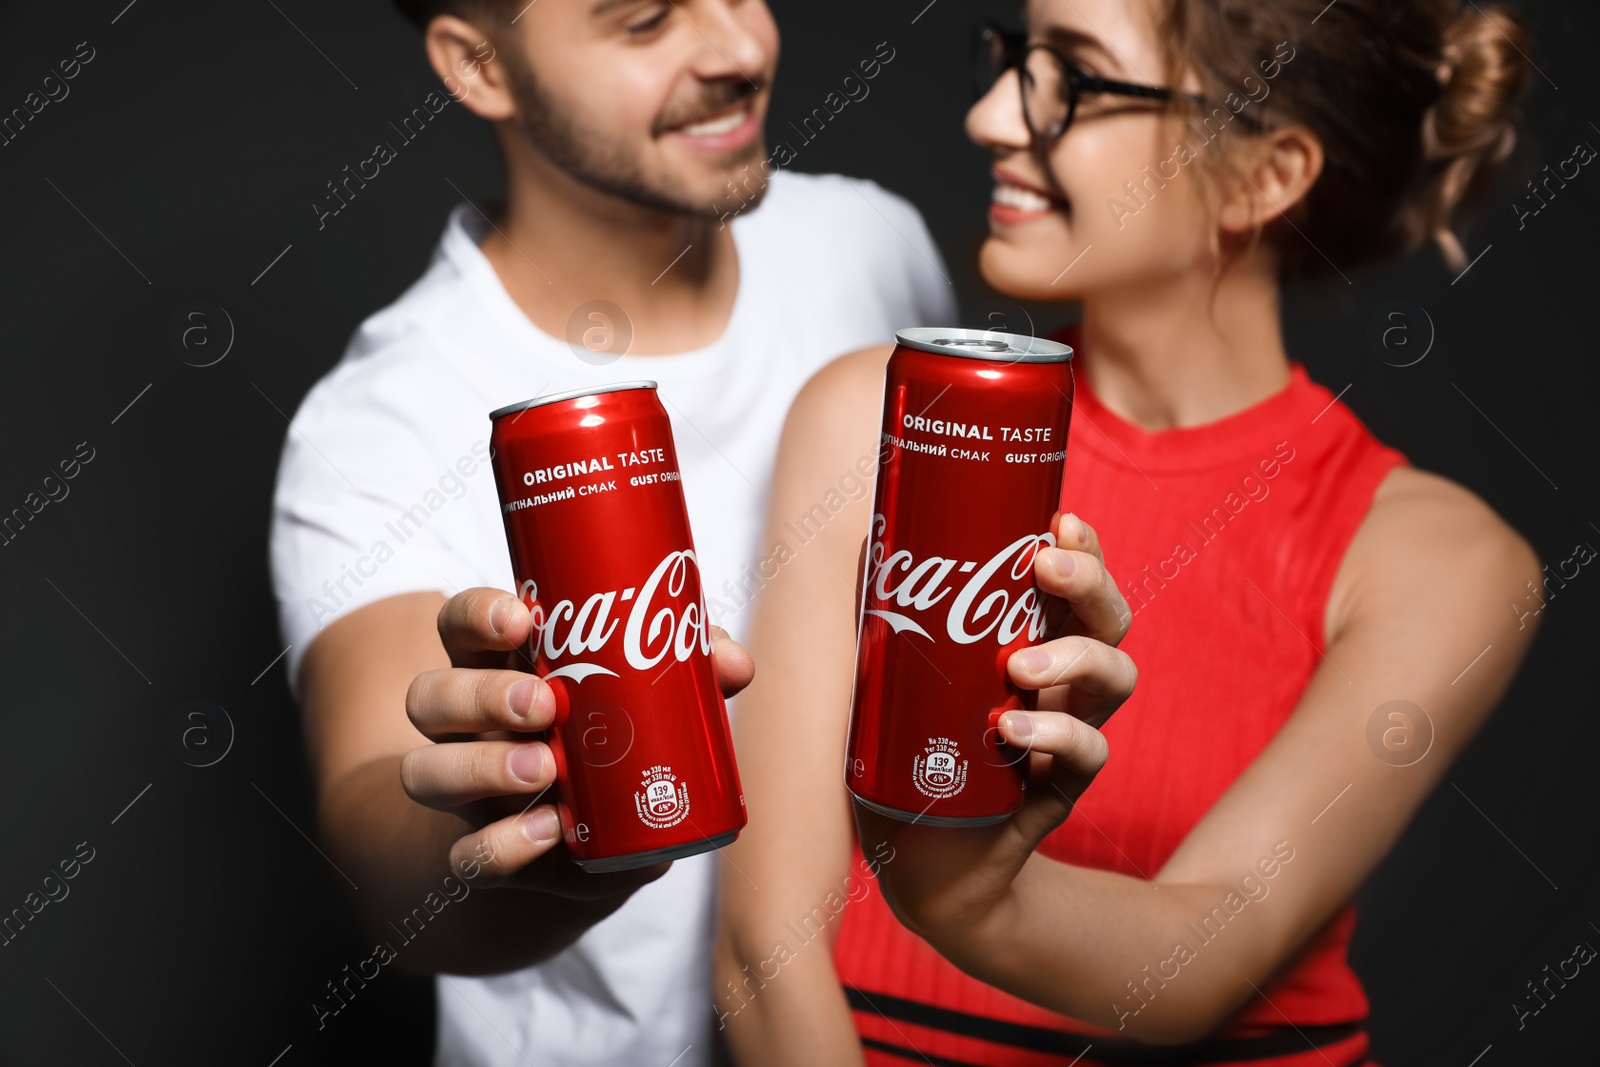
x: 994, y: 345
x: 570, y: 394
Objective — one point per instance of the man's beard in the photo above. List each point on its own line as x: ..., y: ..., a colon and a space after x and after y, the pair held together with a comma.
x: 609, y: 167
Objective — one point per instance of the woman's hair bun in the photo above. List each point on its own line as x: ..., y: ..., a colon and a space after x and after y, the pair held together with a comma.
x: 1415, y: 103
x: 1483, y: 70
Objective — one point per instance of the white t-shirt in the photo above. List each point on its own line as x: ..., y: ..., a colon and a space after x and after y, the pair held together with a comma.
x: 385, y: 488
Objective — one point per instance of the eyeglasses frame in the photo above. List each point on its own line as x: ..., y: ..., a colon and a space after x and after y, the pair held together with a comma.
x: 1016, y: 49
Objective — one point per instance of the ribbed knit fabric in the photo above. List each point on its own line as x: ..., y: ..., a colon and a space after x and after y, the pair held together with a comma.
x: 1225, y: 539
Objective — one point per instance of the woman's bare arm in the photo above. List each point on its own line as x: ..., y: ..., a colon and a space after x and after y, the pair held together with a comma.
x: 1419, y: 615
x: 788, y: 881
x: 775, y: 989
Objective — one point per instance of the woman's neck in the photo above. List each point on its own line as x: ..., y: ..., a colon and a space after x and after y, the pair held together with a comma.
x: 1168, y: 357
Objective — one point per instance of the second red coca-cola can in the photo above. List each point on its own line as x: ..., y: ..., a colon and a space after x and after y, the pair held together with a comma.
x: 602, y: 554
x: 971, y: 455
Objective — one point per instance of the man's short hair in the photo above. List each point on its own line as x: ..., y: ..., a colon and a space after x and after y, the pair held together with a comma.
x: 421, y: 12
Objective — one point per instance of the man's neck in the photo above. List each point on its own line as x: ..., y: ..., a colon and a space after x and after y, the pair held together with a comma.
x: 559, y: 244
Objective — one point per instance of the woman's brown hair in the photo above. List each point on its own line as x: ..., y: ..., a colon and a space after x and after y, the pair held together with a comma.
x: 1414, y: 101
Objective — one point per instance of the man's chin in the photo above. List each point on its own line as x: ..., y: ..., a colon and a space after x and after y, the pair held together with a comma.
x: 738, y: 182
x: 704, y: 188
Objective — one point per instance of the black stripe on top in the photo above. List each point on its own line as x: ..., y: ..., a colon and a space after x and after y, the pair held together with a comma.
x: 1285, y: 1042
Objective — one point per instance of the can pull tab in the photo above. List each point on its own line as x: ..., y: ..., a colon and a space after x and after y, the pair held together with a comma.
x: 984, y: 344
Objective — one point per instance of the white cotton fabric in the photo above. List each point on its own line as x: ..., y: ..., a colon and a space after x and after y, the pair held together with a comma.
x: 385, y: 488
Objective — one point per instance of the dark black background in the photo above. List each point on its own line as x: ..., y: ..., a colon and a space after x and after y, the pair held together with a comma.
x: 195, y: 143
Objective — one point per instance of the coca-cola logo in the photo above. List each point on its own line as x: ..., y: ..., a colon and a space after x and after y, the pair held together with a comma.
x: 661, y: 621
x: 995, y: 599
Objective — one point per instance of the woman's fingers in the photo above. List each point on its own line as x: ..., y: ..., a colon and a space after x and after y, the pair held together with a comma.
x: 1075, y: 571
x: 1074, y: 534
x: 1067, y: 754
x: 735, y: 668
x: 1074, y: 746
x: 1106, y: 675
x: 1082, y: 579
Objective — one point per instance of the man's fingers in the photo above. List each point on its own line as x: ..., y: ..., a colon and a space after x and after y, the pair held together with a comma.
x: 522, y: 852
x: 1080, y: 578
x: 454, y: 700
x: 557, y: 875
x: 735, y: 668
x: 450, y: 776
x: 481, y: 621
x: 1091, y: 666
x: 503, y: 848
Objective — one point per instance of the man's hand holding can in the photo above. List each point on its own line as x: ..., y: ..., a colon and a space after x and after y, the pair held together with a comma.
x: 483, y: 714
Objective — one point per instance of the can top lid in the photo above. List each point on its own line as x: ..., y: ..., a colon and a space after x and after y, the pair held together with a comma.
x: 992, y: 345
x: 570, y: 394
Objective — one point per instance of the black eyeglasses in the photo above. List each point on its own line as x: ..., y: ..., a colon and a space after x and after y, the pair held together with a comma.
x: 1051, y: 84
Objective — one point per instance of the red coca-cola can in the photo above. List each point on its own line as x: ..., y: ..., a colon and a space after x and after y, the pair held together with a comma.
x: 602, y: 555
x: 969, y: 483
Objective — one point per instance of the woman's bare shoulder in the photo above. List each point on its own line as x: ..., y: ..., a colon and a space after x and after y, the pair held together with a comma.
x: 1422, y: 533
x: 847, y: 379
x: 1408, y: 496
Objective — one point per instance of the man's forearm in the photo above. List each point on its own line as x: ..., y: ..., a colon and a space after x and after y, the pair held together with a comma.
x: 397, y: 853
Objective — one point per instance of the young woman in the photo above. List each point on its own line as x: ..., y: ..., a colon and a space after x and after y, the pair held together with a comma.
x: 1318, y: 627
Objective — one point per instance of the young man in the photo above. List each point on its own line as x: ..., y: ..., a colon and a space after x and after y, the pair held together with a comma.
x: 629, y: 246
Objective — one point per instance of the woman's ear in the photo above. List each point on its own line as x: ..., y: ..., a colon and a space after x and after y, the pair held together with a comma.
x: 468, y: 62
x: 1274, y: 173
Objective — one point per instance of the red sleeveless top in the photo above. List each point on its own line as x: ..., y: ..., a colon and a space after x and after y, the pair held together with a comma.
x: 1224, y: 539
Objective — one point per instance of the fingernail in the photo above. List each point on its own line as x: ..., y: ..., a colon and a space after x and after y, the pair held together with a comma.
x: 541, y: 826
x: 521, y: 695
x: 500, y: 614
x: 528, y: 762
x: 1017, y: 725
x: 1072, y: 527
x: 1063, y: 563
x: 1034, y: 660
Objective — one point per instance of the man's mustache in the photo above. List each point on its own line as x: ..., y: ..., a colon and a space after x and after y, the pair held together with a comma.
x: 714, y: 97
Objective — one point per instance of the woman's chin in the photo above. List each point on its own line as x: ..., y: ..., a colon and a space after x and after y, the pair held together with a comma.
x: 1032, y: 273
